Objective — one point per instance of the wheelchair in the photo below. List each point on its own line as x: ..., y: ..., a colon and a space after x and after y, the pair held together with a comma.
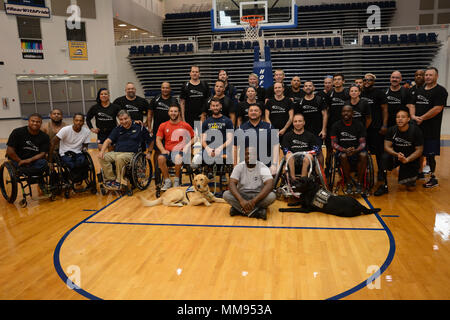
x: 11, y: 177
x: 79, y: 179
x: 138, y: 173
x: 282, y: 183
x: 336, y: 175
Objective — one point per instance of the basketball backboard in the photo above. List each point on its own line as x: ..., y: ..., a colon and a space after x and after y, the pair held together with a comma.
x: 226, y: 14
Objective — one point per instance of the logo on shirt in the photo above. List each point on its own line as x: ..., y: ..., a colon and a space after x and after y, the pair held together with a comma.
x: 338, y: 101
x: 31, y: 146
x: 422, y: 100
x: 278, y: 109
x: 195, y: 94
x: 104, y: 117
x: 394, y: 100
x: 132, y: 108
x: 309, y: 109
x: 402, y: 142
x: 345, y: 136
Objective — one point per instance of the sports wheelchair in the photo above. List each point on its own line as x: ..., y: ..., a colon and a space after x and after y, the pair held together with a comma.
x: 73, y: 179
x: 12, y: 176
x: 336, y: 175
x: 138, y: 173
x: 282, y: 183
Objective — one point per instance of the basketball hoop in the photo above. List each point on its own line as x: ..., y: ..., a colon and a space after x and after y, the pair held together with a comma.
x: 251, y: 26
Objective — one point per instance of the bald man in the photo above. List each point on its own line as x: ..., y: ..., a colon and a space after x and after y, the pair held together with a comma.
x: 136, y: 106
x: 397, y: 97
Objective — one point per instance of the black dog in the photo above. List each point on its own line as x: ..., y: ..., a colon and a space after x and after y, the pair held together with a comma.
x: 315, y: 198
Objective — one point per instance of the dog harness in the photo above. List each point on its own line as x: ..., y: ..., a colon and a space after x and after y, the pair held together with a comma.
x: 190, y: 189
x: 208, y: 196
x: 321, y: 198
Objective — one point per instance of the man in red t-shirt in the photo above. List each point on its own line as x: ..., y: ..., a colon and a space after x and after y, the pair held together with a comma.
x: 178, y: 139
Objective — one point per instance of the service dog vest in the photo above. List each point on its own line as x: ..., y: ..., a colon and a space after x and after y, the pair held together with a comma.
x: 321, y: 198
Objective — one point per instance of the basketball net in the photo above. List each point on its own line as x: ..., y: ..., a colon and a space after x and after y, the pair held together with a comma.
x: 252, y: 27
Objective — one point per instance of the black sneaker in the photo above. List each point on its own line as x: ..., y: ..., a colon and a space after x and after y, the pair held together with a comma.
x: 431, y: 183
x: 234, y: 212
x: 383, y: 189
x: 380, y: 177
x: 358, y: 189
x: 348, y: 189
x: 262, y: 214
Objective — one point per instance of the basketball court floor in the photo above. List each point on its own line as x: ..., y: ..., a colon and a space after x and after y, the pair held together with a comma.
x: 110, y: 247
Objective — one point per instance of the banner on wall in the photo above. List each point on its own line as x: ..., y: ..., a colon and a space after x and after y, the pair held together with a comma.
x: 78, y: 50
x: 28, y: 8
x: 32, y: 49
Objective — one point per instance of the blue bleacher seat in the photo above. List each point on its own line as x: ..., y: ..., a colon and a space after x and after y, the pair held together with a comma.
x: 366, y: 40
x: 182, y: 47
x: 295, y: 43
x: 403, y: 38
x: 239, y: 45
x: 216, y: 46
x: 271, y: 43
x: 189, y: 47
x: 247, y: 44
x: 232, y: 45
x: 393, y: 39
x: 328, y: 42
x: 319, y: 42
x: 287, y: 43
x: 337, y: 42
x: 376, y: 40
x: 156, y: 48
x: 133, y: 50
x: 384, y: 39
x: 174, y: 48
x: 303, y: 43
x: 255, y: 44
x: 148, y: 50
x: 224, y: 46
x: 141, y: 50
x: 412, y: 38
x: 311, y: 42
x: 422, y: 38
x: 279, y: 43
x: 432, y: 37
x: 166, y: 48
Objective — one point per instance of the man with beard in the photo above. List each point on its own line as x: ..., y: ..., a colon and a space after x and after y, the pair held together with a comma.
x: 348, y: 138
x: 314, y: 109
x: 55, y: 124
x: 295, y: 91
x: 378, y: 105
x: 397, y: 97
x: 228, y: 108
x: 217, y: 136
x: 178, y: 139
x: 136, y: 106
x: 403, y: 148
x: 250, y: 191
x: 27, y: 147
x: 193, y: 96
x: 427, y: 111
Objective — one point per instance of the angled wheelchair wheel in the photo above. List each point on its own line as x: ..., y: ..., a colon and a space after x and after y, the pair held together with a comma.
x: 8, y: 182
x: 141, y: 171
x: 91, y: 179
x: 320, y: 173
x: 369, y: 179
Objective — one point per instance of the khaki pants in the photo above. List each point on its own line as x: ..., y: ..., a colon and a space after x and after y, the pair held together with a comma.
x: 121, y: 159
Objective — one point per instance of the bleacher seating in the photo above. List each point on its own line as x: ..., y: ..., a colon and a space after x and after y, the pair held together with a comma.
x: 402, y: 39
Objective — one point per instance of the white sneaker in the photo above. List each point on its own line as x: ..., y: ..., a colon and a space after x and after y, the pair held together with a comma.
x: 426, y: 169
x: 176, y: 182
x: 167, y: 185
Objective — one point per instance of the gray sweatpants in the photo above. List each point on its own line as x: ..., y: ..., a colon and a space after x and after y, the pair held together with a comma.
x: 263, y: 204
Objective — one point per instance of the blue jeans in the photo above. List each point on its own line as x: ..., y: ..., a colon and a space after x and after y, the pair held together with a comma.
x: 74, y: 162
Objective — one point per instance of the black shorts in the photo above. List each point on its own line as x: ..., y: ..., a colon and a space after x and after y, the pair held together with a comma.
x: 102, y: 136
x: 432, y: 148
x: 408, y: 171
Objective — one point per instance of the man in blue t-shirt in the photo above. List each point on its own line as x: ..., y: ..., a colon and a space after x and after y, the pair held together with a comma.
x: 128, y: 139
x: 216, y: 138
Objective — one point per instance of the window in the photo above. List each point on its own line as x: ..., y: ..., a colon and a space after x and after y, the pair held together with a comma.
x: 426, y: 4
x: 76, y: 34
x: 29, y: 28
x: 426, y: 19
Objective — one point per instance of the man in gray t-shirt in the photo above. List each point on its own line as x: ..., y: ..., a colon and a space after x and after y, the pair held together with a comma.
x: 251, y: 186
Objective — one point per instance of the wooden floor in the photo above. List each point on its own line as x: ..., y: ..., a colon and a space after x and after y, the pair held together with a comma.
x: 113, y: 248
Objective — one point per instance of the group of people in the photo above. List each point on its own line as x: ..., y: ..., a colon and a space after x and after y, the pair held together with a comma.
x: 398, y: 125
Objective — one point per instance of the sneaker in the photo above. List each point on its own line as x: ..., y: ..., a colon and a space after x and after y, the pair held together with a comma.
x: 348, y: 189
x: 358, y: 189
x: 167, y: 185
x: 380, y: 177
x: 426, y: 169
x: 262, y: 214
x: 176, y: 182
x: 112, y: 185
x: 383, y: 189
x: 421, y: 176
x: 234, y: 212
x: 431, y: 183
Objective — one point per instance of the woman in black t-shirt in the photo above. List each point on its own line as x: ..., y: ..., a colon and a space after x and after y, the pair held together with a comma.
x: 242, y: 109
x: 105, y: 114
x: 280, y: 110
x: 361, y: 109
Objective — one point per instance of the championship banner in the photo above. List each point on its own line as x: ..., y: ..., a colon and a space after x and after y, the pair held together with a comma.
x: 27, y: 10
x: 32, y: 49
x: 78, y: 50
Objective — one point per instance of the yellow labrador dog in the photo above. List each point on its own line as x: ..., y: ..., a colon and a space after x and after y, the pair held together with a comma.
x: 178, y: 197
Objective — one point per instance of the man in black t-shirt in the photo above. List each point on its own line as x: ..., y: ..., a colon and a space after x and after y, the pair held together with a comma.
x: 295, y: 91
x: 193, y: 96
x: 348, y: 138
x: 27, y: 147
x: 378, y: 105
x: 253, y: 81
x: 314, y: 109
x: 278, y: 77
x: 403, y: 147
x: 228, y: 107
x: 396, y: 96
x: 300, y: 140
x: 280, y: 110
x: 427, y: 112
x: 137, y: 107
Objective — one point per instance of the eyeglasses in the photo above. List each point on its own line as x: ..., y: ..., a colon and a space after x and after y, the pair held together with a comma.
x: 368, y: 80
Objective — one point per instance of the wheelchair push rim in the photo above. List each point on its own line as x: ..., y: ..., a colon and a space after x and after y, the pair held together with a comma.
x: 8, y: 182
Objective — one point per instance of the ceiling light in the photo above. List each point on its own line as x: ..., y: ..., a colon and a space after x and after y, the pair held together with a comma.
x: 122, y: 25
x: 134, y: 29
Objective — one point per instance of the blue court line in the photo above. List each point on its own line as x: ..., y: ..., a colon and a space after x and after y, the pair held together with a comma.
x: 88, y: 295
x: 390, y: 216
x: 383, y: 268
x: 228, y: 226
